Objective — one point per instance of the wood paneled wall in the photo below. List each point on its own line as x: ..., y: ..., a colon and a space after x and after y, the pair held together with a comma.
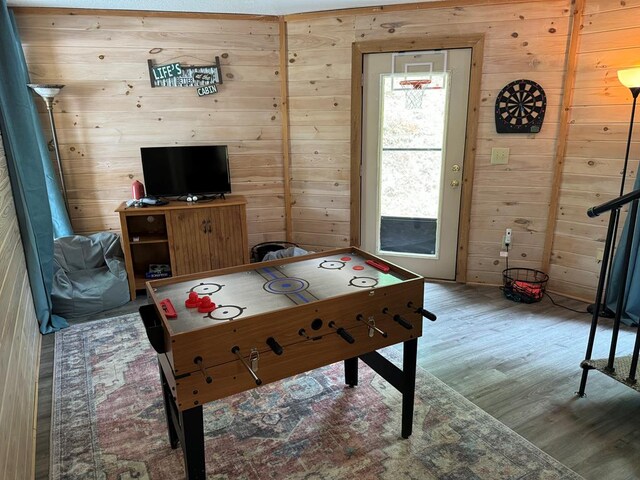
x: 522, y: 40
x: 108, y: 110
x: 596, y: 142
x: 19, y: 344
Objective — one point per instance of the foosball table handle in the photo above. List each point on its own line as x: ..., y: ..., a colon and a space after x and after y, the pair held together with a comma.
x: 371, y: 325
x: 427, y: 314
x: 403, y: 322
x: 274, y: 345
x: 343, y: 333
x: 398, y: 319
x: 236, y: 351
x: 198, y: 362
x: 424, y: 312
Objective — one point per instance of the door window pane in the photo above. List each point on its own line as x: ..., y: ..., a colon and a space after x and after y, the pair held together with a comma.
x: 412, y: 139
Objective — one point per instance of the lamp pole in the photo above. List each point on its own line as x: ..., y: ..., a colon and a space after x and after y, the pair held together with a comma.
x: 48, y: 93
x: 635, y: 91
x: 630, y: 78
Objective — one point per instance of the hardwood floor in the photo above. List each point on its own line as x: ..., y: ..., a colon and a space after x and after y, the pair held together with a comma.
x: 520, y: 363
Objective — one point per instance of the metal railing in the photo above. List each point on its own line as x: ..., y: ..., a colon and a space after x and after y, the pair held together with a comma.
x: 614, y: 206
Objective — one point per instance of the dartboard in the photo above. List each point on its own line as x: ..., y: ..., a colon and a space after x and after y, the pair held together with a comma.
x: 520, y: 107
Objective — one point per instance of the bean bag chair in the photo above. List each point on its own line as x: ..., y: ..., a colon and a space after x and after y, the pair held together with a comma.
x: 89, y: 274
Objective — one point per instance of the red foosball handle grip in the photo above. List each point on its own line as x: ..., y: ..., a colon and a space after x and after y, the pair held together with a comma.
x: 167, y: 306
x: 380, y: 266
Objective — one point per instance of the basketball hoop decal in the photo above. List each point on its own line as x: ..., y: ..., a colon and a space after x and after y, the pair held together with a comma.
x: 520, y: 107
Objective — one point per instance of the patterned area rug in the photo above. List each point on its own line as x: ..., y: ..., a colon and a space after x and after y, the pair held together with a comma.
x: 108, y: 423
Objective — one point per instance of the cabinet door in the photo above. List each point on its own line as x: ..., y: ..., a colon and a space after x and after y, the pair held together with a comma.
x: 228, y: 236
x: 190, y: 240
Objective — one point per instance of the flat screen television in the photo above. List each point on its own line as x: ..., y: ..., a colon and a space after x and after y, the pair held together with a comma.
x: 186, y: 170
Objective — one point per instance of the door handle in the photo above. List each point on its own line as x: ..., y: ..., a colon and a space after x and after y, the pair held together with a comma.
x: 209, y: 225
x: 455, y: 183
x: 204, y: 226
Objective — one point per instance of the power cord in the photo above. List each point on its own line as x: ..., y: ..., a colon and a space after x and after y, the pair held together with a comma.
x: 507, y: 257
x: 564, y: 306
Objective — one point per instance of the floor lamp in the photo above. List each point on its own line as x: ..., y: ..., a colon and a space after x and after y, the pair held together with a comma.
x: 48, y: 93
x: 630, y: 78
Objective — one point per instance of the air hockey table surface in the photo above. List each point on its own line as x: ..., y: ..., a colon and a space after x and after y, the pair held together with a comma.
x: 273, y: 287
x: 277, y: 319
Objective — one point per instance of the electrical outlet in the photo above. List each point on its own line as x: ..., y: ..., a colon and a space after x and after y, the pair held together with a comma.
x: 599, y: 254
x: 507, y: 237
x: 499, y: 156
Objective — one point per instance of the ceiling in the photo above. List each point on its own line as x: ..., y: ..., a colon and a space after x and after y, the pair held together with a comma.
x: 261, y: 7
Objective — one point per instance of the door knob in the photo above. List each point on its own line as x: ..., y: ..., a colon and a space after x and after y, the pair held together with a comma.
x: 455, y: 168
x: 455, y: 183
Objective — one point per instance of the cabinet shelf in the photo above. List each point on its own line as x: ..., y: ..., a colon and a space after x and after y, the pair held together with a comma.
x: 141, y: 280
x: 146, y: 238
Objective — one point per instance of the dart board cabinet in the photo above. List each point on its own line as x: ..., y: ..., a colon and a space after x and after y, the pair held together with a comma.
x: 520, y: 107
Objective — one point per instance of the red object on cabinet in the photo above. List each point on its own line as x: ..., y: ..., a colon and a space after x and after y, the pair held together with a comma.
x: 137, y: 190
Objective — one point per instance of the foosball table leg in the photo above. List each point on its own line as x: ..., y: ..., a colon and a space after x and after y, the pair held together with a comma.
x: 193, y: 444
x: 187, y: 428
x: 168, y: 402
x: 351, y: 371
x: 410, y: 357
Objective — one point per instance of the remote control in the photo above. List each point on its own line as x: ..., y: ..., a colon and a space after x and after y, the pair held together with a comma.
x: 152, y: 201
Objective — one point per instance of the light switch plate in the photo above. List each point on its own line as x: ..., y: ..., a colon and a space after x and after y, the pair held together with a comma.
x: 499, y: 156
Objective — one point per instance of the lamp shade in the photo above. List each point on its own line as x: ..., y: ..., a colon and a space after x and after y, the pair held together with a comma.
x: 630, y: 77
x: 46, y: 90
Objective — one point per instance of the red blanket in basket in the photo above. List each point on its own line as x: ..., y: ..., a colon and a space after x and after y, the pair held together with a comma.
x: 532, y: 290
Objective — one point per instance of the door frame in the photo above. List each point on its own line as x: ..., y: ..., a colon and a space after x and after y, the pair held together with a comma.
x: 358, y: 50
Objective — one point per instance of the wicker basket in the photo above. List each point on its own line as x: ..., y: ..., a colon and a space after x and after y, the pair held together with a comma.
x: 524, y: 284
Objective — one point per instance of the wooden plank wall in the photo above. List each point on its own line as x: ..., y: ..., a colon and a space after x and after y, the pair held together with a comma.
x: 108, y: 110
x: 19, y: 344
x: 522, y: 40
x: 596, y: 143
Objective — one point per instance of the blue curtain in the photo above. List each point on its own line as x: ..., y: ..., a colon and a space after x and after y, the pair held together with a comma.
x: 26, y: 159
x: 631, y: 309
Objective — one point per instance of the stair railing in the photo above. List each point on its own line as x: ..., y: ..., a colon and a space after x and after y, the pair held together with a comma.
x: 614, y: 206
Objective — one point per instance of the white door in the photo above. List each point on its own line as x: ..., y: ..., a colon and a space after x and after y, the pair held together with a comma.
x: 413, y: 139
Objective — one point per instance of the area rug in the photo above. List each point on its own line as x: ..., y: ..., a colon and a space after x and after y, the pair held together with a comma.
x: 108, y: 423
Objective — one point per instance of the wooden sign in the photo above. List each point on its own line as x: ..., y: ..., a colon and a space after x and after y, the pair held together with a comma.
x: 163, y: 72
x: 204, y: 77
x: 207, y: 90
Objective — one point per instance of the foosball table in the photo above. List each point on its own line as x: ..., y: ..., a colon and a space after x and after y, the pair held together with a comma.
x: 227, y: 331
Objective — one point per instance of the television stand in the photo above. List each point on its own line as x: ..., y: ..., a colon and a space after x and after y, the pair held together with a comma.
x: 188, y: 237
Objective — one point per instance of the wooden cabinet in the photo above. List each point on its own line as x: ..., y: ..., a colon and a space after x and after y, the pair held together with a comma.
x: 189, y: 238
x: 207, y: 238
